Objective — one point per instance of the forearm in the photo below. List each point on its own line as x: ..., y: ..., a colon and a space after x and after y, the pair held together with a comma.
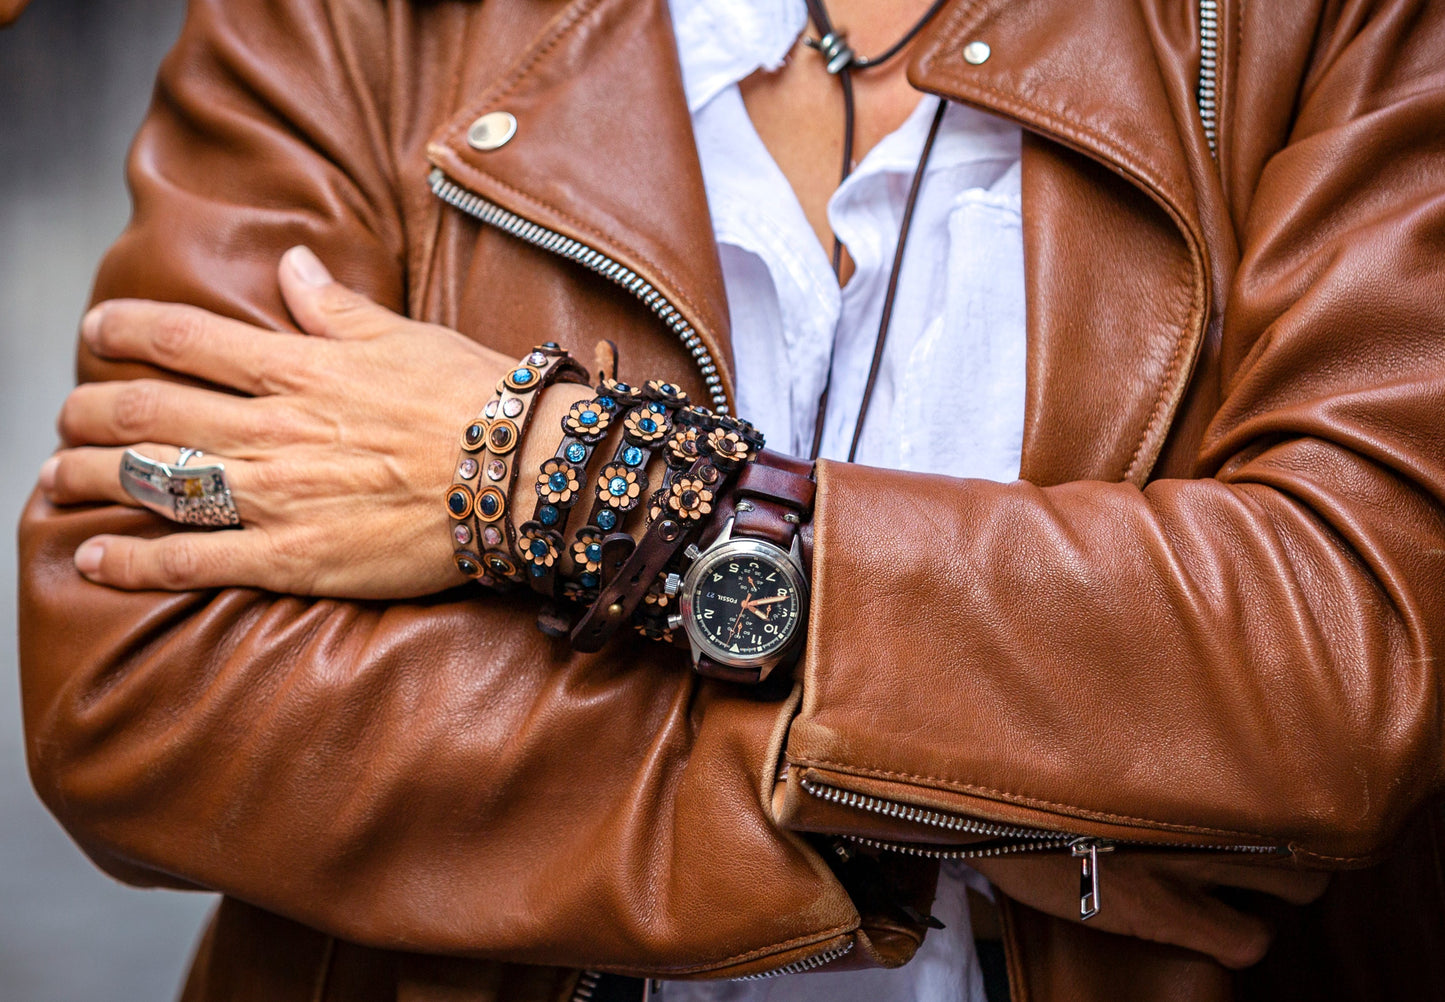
x: 1202, y: 657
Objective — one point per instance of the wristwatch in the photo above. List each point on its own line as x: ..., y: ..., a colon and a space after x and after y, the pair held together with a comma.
x: 743, y: 600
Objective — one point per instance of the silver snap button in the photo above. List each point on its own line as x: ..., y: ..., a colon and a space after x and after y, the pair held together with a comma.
x: 492, y: 131
x: 976, y: 52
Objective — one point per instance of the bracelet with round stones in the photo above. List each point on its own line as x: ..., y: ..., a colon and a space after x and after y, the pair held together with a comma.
x: 705, y: 453
x: 484, y: 536
x: 646, y: 416
x: 701, y: 467
x: 559, y: 487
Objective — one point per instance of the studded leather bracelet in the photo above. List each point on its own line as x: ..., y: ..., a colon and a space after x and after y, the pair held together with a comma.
x: 484, y: 536
x: 720, y: 447
x: 560, y: 485
x: 601, y: 545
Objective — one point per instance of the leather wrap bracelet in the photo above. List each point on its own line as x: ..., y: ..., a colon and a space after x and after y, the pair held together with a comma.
x: 679, y: 509
x: 484, y: 536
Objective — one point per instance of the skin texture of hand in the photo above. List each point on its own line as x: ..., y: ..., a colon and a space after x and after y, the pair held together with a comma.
x: 338, y: 447
x: 1163, y: 898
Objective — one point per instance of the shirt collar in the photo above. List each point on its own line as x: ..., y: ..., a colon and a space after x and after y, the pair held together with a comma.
x: 720, y: 42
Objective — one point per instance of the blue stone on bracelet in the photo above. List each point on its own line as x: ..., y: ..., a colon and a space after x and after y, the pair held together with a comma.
x: 587, y: 418
x: 656, y: 408
x: 576, y: 453
x: 593, y: 552
x: 607, y: 403
x: 538, y: 570
x: 588, y: 580
x: 457, y: 502
x: 548, y: 515
x: 606, y: 520
x: 633, y: 456
x: 539, y: 547
x: 522, y: 376
x: 647, y: 425
x: 558, y: 481
x: 617, y: 486
x: 489, y: 504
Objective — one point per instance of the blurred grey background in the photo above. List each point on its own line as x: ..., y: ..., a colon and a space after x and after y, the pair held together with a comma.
x: 75, y: 77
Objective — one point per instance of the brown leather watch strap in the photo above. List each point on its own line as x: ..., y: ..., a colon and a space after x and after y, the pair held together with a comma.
x: 780, y: 492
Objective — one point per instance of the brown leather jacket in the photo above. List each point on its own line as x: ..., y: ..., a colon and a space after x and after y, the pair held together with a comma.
x: 1209, y: 613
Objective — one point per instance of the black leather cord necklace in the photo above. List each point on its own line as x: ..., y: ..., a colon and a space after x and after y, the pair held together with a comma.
x: 842, y: 62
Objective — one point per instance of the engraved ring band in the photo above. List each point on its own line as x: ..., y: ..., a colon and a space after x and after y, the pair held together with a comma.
x: 192, y: 495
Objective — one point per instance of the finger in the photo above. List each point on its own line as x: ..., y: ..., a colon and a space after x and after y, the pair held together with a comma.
x: 181, y: 561
x: 1186, y: 915
x: 154, y: 410
x: 1298, y: 887
x: 91, y: 475
x: 198, y: 343
x: 325, y: 307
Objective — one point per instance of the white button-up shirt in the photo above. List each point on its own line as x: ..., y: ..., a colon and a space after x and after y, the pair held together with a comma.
x: 950, y: 392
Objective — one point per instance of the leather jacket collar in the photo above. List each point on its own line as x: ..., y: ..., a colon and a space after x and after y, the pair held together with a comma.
x: 1122, y: 359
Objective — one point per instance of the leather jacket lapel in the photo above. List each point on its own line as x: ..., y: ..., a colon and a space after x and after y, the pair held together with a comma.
x: 1116, y: 260
x: 604, y: 153
x: 1115, y: 255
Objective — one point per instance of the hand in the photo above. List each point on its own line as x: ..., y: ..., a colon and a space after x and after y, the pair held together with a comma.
x: 338, y: 447
x: 1163, y: 898
x: 751, y: 605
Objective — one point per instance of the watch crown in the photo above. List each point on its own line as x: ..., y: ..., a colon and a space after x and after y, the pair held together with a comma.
x: 692, y: 552
x: 674, y: 621
x: 672, y: 585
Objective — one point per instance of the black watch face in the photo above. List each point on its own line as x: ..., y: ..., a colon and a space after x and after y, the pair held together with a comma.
x: 745, y: 605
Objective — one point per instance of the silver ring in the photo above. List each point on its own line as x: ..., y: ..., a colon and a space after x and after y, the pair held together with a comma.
x: 189, y: 454
x: 195, y: 495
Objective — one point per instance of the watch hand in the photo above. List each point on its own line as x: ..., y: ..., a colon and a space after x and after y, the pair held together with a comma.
x: 758, y: 612
x: 738, y: 623
x: 754, y: 603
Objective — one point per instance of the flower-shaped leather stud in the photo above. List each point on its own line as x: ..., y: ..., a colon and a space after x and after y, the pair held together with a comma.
x: 645, y: 426
x: 690, y: 498
x: 558, y: 482
x: 587, y: 420
x: 618, y: 487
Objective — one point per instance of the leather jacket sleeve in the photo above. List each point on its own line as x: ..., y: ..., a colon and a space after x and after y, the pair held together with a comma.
x: 432, y: 775
x: 1243, y: 653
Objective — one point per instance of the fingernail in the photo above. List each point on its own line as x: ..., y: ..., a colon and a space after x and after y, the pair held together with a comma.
x: 90, y: 325
x: 308, y: 266
x: 88, y: 557
x: 47, y: 474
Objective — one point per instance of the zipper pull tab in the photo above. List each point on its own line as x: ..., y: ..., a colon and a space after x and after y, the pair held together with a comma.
x: 1086, y: 851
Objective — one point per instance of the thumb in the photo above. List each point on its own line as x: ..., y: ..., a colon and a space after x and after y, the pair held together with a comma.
x: 323, y: 306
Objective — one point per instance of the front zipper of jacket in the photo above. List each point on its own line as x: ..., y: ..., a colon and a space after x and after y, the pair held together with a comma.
x: 1208, y: 91
x: 474, y: 205
x: 1008, y: 840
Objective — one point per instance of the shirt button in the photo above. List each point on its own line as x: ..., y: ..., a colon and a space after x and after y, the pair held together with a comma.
x: 492, y: 131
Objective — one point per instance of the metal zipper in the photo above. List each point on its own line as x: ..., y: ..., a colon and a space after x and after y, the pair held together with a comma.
x: 586, y: 986
x: 1208, y: 91
x: 1085, y: 848
x: 917, y: 815
x: 588, y: 980
x: 593, y: 260
x: 800, y: 966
